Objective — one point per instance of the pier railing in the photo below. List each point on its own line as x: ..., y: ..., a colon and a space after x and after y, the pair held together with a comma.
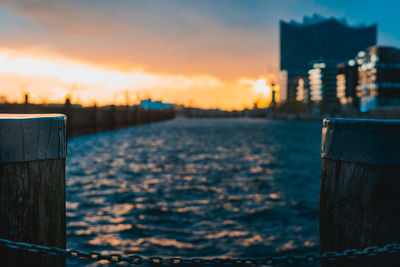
x: 329, y: 256
x: 93, y: 119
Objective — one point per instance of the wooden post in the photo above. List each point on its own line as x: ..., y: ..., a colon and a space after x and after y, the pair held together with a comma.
x: 150, y: 117
x: 93, y: 117
x: 134, y: 116
x: 32, y: 186
x: 127, y: 118
x: 140, y: 115
x: 360, y: 188
x: 113, y: 118
x: 68, y: 112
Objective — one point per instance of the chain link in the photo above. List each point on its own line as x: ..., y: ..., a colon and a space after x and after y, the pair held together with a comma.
x: 393, y: 248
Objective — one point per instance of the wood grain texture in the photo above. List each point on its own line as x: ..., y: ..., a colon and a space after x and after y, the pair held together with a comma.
x: 32, y: 209
x: 359, y: 207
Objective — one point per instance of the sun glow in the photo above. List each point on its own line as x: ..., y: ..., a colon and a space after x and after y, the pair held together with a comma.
x: 261, y: 86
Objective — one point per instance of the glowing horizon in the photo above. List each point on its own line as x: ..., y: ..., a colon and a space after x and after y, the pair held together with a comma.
x: 52, y: 80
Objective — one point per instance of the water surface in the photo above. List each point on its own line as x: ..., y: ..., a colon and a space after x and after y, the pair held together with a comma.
x: 196, y: 188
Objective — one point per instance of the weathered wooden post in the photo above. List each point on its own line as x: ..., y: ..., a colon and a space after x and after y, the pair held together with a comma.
x: 113, y: 118
x: 68, y: 111
x: 32, y: 186
x: 127, y: 118
x: 94, y: 118
x: 134, y: 116
x: 360, y: 188
x: 140, y: 115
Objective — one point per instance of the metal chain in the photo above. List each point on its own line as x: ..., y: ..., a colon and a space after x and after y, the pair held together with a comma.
x: 393, y: 248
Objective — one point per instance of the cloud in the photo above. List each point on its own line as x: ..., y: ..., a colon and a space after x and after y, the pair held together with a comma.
x: 96, y: 50
x: 177, y: 37
x: 71, y: 17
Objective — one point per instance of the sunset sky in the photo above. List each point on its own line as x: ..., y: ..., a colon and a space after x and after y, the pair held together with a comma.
x: 207, y: 53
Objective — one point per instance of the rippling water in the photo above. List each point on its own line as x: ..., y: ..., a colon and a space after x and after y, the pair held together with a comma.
x: 196, y: 188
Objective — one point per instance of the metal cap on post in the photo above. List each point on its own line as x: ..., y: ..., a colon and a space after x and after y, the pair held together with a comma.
x: 359, y: 199
x: 32, y: 185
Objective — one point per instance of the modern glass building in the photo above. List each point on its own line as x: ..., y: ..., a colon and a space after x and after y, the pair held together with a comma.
x: 379, y: 78
x: 318, y: 38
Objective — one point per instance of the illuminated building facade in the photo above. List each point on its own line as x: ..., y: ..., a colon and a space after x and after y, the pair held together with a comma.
x: 322, y: 83
x: 346, y: 83
x: 302, y: 92
x: 379, y: 78
x: 282, y: 80
x: 318, y: 38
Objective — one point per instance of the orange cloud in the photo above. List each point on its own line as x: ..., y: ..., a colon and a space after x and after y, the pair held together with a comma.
x: 156, y: 36
x: 68, y: 17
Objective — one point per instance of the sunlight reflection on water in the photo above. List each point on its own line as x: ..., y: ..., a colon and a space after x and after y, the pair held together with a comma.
x: 196, y: 188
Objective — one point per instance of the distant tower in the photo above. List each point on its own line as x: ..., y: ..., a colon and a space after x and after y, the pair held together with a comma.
x: 255, y: 106
x: 273, y: 93
x: 272, y: 105
x: 26, y: 104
